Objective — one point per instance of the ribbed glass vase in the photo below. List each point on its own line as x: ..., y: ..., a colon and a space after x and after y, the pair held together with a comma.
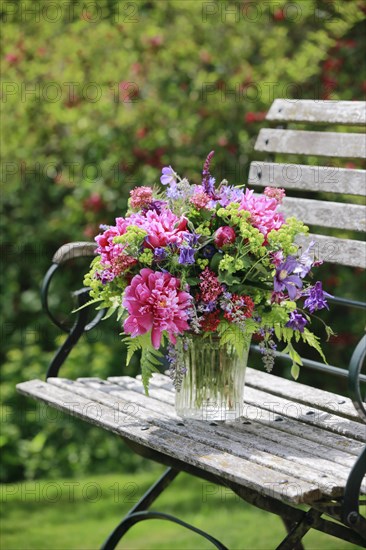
x: 212, y: 382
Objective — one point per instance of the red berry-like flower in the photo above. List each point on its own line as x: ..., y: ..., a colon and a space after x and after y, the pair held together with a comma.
x: 209, y: 286
x: 211, y: 321
x: 224, y: 235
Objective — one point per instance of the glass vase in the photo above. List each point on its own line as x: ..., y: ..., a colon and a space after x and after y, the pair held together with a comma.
x: 211, y: 385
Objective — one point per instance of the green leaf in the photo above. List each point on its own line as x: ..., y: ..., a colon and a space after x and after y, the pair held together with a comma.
x: 89, y: 303
x: 192, y: 281
x: 295, y: 371
x: 215, y: 260
x: 149, y: 362
x: 110, y: 312
x: 133, y: 344
x: 228, y: 278
x: 293, y: 354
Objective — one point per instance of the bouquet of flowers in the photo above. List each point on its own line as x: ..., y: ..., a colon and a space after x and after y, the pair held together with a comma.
x: 206, y: 259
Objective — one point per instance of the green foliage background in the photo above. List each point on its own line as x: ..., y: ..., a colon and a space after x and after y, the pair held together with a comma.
x: 96, y: 101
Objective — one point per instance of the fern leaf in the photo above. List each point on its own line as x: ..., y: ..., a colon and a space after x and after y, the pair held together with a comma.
x: 149, y: 362
x: 313, y: 341
x: 89, y: 303
x: 133, y: 344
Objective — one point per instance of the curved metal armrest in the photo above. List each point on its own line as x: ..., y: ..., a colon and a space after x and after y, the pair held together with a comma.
x: 354, y: 373
x: 70, y: 251
x: 64, y: 253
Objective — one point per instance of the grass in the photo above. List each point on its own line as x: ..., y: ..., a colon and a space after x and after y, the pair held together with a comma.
x: 79, y: 514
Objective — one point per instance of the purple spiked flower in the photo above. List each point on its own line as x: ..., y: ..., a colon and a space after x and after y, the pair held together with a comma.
x: 208, y: 183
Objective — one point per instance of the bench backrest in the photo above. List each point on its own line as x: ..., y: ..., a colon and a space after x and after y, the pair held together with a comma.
x: 324, y: 176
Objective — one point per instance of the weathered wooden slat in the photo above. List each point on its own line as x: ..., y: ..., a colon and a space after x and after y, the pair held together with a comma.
x: 335, y: 250
x: 222, y: 464
x: 242, y: 443
x: 308, y: 110
x: 301, y: 142
x: 297, y: 443
x: 279, y: 406
x: 306, y: 432
x: 312, y: 397
x: 326, y: 213
x: 308, y: 178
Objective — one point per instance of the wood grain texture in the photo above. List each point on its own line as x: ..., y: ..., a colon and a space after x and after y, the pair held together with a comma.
x: 326, y: 213
x: 320, y: 399
x: 335, y: 250
x: 245, y: 442
x: 308, y: 178
x: 220, y: 463
x: 301, y: 142
x: 307, y: 110
x: 259, y: 453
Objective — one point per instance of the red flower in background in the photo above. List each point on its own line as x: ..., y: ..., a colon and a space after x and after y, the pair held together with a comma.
x: 94, y: 203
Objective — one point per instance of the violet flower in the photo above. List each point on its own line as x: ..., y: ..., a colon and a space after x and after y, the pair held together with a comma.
x: 283, y: 280
x: 160, y: 254
x: 296, y: 321
x: 168, y: 177
x: 305, y: 262
x: 208, y: 183
x: 316, y: 298
x: 186, y: 255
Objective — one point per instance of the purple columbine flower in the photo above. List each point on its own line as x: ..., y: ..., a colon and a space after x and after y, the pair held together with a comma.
x: 296, y: 321
x: 284, y: 280
x: 160, y: 254
x: 316, y: 298
x: 191, y: 238
x: 186, y: 255
x: 168, y: 177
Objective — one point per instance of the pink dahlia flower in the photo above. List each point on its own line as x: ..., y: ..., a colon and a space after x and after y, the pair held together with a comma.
x: 262, y: 210
x: 154, y: 302
x: 162, y: 228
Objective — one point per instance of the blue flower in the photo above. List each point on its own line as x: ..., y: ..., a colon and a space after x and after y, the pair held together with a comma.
x: 208, y: 251
x: 305, y: 262
x: 160, y: 254
x: 228, y: 194
x: 283, y: 280
x: 186, y: 255
x: 296, y: 321
x: 168, y: 177
x: 316, y: 298
x: 191, y: 238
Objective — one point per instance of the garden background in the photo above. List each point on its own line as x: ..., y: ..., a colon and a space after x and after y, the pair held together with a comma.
x: 96, y: 98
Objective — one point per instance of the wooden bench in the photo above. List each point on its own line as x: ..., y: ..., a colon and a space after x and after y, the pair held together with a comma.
x: 298, y: 452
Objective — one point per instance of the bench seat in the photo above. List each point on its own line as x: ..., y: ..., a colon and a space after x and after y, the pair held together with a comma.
x: 294, y: 443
